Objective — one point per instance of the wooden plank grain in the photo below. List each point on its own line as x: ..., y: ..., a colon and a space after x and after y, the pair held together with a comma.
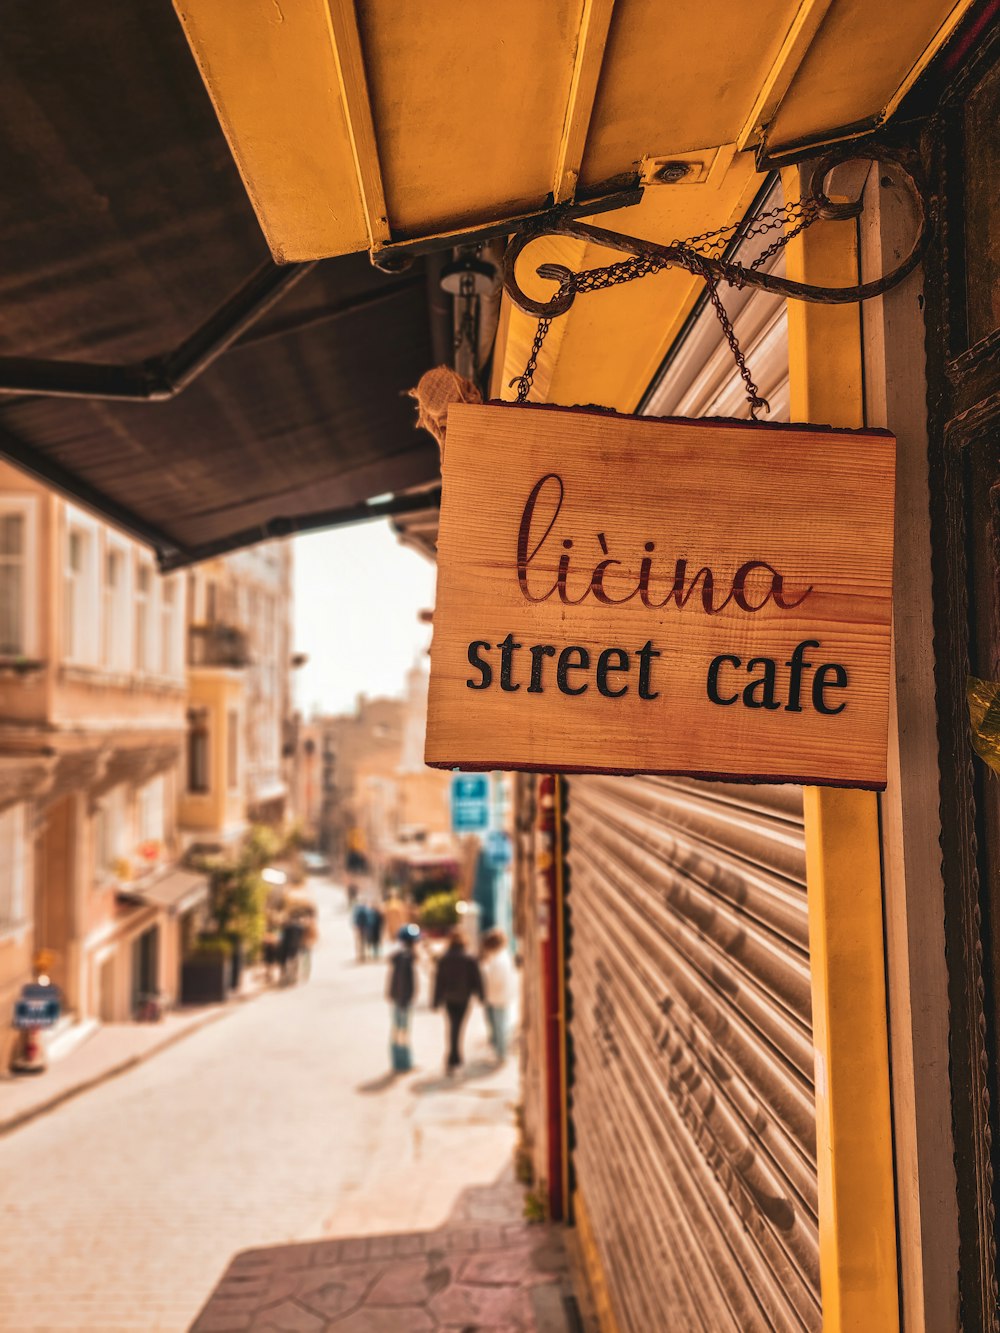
x: 622, y: 594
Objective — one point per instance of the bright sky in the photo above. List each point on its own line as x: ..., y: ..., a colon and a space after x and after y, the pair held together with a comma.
x: 357, y: 595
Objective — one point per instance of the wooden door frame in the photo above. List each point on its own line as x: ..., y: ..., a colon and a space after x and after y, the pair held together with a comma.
x: 960, y: 408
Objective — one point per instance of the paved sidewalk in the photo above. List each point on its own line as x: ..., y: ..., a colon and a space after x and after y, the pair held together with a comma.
x: 485, y: 1271
x: 110, y: 1050
x: 278, y: 1127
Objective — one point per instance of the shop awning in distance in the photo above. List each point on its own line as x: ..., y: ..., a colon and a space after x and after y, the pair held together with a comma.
x: 133, y: 260
x: 373, y: 124
x: 177, y: 891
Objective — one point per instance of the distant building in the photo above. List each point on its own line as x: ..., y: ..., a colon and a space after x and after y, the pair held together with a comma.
x: 239, y: 708
x: 373, y: 778
x: 308, y: 778
x: 366, y: 744
x: 424, y: 793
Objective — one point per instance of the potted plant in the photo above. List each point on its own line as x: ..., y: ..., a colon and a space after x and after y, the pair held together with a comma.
x: 206, y: 972
x: 439, y: 913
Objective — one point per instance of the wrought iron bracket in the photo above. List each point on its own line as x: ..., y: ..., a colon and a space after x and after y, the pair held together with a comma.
x: 680, y: 255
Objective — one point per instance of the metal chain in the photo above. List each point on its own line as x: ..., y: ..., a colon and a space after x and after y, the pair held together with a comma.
x: 753, y: 393
x: 523, y: 381
x: 709, y: 244
x: 804, y: 214
x: 467, y: 331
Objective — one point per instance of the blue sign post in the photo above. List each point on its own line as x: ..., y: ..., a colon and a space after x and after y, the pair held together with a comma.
x: 470, y: 802
x: 497, y: 849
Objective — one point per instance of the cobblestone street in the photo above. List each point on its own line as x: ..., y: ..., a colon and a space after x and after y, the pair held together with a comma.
x: 123, y: 1208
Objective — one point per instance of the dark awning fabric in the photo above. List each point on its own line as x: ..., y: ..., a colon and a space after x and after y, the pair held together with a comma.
x: 123, y: 226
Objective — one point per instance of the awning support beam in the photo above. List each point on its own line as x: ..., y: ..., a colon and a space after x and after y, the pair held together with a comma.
x: 159, y: 378
x: 358, y: 112
x: 164, y: 377
x: 592, y: 40
x: 409, y: 503
x: 794, y: 48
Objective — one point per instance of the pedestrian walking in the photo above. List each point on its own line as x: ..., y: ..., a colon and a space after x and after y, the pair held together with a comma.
x: 458, y: 980
x: 310, y: 938
x: 401, y: 992
x: 499, y: 982
x: 359, y: 920
x: 376, y: 923
x: 271, y: 951
x: 291, y: 943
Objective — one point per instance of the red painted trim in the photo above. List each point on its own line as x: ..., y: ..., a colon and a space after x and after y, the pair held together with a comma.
x: 876, y: 433
x: 550, y: 954
x: 969, y: 39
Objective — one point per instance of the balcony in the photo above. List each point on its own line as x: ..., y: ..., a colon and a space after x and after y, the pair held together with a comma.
x: 217, y: 646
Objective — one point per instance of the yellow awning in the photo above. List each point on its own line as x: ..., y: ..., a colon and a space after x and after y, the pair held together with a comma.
x: 367, y: 125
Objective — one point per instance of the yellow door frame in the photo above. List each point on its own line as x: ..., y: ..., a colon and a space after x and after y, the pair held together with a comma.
x: 857, y: 1220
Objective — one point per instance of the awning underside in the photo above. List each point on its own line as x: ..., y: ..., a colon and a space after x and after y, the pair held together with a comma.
x: 124, y: 226
x: 370, y: 124
x: 362, y: 126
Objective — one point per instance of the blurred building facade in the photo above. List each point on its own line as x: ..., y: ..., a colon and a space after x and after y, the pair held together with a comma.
x: 359, y: 754
x: 240, y: 748
x: 140, y: 714
x: 92, y: 689
x: 374, y: 785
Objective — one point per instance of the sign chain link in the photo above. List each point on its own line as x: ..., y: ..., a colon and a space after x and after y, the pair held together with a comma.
x: 789, y: 220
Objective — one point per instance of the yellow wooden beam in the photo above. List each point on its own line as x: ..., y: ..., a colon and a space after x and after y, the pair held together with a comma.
x: 358, y: 112
x: 857, y: 1224
x: 594, y: 25
x: 590, y: 1257
x: 809, y: 15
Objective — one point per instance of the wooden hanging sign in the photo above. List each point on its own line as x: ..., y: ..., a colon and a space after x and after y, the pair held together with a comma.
x: 624, y: 594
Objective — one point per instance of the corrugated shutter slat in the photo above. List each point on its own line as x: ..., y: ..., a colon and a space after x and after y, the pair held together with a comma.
x: 692, y: 1097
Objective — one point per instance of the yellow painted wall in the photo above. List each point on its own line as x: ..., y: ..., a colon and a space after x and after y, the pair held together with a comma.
x: 220, y: 810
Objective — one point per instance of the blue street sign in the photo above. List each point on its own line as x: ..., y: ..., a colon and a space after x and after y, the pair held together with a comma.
x: 497, y: 849
x: 470, y: 802
x: 37, y: 1007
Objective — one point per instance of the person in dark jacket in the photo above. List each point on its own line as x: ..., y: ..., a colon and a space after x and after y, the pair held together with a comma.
x: 359, y: 920
x: 401, y: 992
x: 458, y: 980
x: 290, y: 947
x: 376, y: 922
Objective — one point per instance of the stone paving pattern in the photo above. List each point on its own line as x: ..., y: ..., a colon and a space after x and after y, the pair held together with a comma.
x: 499, y: 1279
x: 122, y: 1208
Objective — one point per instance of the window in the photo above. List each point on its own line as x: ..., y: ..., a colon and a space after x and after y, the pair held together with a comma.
x: 79, y: 591
x: 168, y: 627
x: 233, y: 748
x: 152, y: 811
x: 110, y: 832
x: 14, y: 560
x: 114, y: 607
x: 13, y: 867
x: 197, y: 752
x: 143, y: 617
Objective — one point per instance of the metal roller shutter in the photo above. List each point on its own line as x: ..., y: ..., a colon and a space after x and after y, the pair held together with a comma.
x: 692, y: 1093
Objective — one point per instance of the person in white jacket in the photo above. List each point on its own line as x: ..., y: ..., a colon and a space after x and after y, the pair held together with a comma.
x: 499, y: 980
